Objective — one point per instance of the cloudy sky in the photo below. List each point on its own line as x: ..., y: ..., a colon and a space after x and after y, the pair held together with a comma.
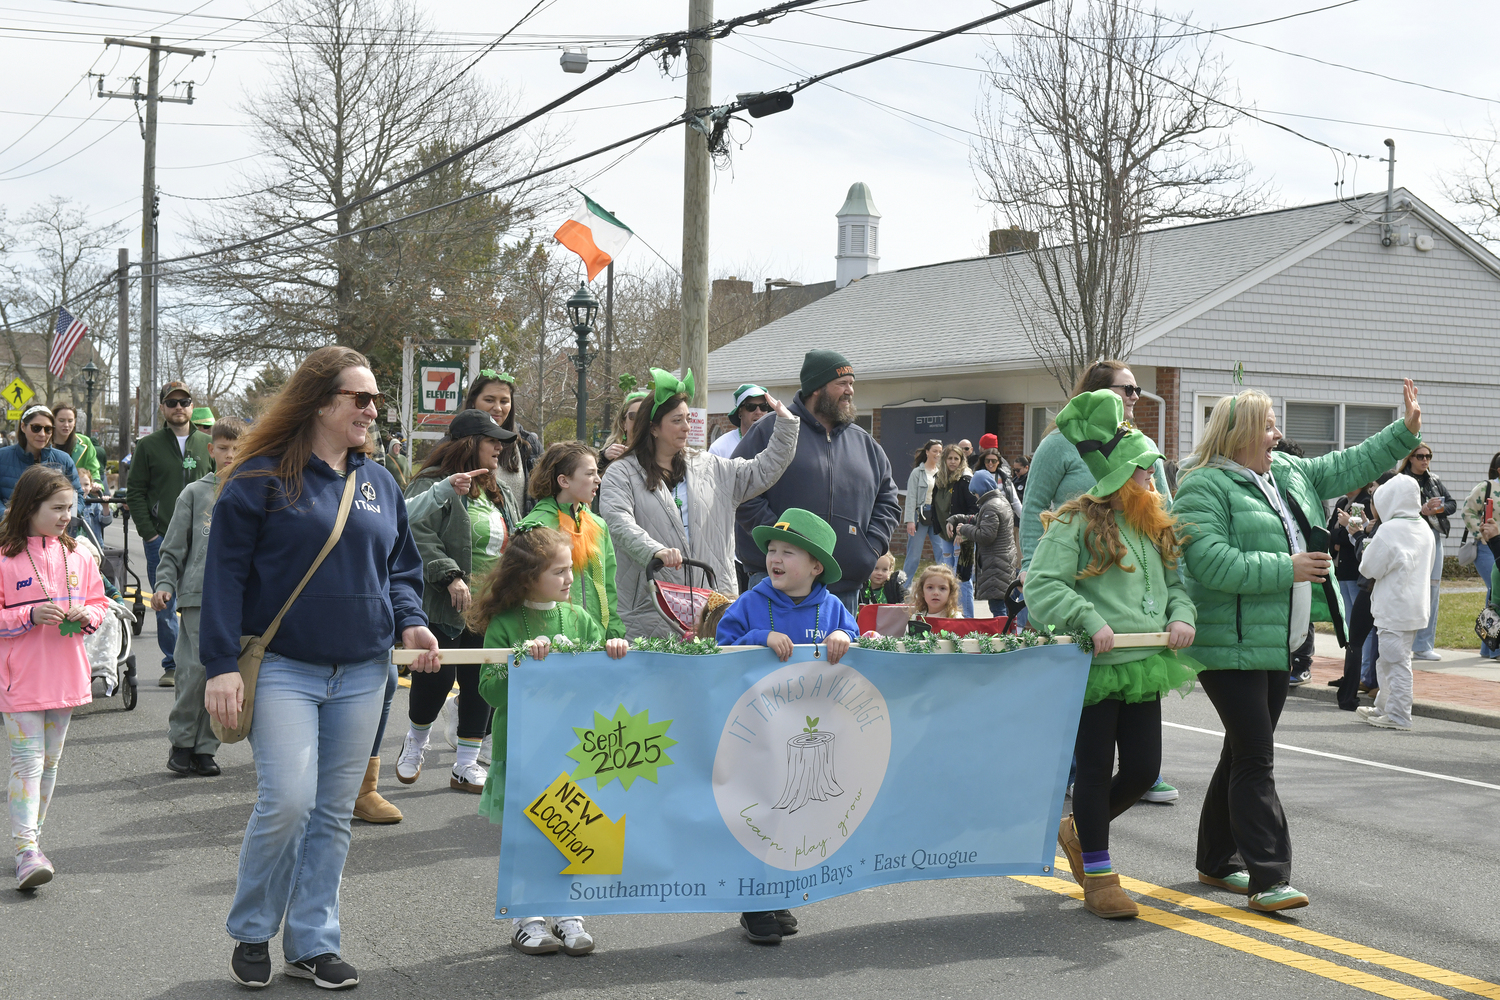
x: 903, y: 127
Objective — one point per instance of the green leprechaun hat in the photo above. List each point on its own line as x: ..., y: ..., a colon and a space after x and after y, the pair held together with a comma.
x: 807, y: 531
x: 1110, y: 446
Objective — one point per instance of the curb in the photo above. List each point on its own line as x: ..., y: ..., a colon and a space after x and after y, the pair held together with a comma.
x: 1429, y: 709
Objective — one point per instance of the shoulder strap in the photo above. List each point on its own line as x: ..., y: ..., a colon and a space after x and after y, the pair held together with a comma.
x: 345, y: 502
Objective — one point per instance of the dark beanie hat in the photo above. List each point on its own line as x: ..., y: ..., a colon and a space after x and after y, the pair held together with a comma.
x: 821, y: 367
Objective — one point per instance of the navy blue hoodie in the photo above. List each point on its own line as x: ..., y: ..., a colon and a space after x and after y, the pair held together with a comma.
x: 366, y: 592
x: 762, y: 609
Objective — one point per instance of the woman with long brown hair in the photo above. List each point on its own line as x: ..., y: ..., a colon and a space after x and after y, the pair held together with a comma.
x: 950, y: 496
x: 1437, y: 506
x: 663, y: 501
x: 321, y: 683
x: 461, y: 518
x: 494, y: 392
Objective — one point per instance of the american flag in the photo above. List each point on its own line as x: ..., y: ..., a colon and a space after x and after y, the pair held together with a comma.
x: 69, y: 332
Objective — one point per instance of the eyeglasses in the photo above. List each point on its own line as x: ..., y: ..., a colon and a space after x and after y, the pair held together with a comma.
x: 1422, y: 458
x: 754, y: 407
x: 1129, y: 390
x: 363, y: 399
x: 41, y: 428
x: 176, y: 401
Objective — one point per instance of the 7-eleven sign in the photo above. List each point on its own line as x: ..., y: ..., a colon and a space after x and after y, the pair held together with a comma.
x: 438, y: 390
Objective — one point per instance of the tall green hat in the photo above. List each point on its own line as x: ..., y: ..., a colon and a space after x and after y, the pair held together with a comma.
x: 1110, y: 445
x: 807, y: 531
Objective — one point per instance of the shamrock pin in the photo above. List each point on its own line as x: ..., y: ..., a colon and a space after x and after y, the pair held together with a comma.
x: 190, y: 463
x: 69, y: 626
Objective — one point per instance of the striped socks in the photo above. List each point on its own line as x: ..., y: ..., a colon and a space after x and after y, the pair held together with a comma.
x: 468, y: 752
x: 1096, y: 863
x: 418, y: 734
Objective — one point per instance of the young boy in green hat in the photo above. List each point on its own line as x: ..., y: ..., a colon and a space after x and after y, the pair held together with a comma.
x: 1107, y: 563
x: 791, y: 606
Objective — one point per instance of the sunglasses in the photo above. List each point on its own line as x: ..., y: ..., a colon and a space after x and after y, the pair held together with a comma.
x: 1422, y: 458
x: 1129, y: 390
x: 176, y: 402
x: 363, y: 399
x: 41, y: 428
x: 753, y: 407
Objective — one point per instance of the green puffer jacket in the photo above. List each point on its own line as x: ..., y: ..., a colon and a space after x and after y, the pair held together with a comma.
x: 1238, y: 558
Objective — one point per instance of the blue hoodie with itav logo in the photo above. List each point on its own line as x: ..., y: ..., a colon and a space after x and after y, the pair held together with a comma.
x: 763, y: 609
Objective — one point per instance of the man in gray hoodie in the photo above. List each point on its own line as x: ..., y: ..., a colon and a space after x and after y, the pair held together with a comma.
x: 839, y: 473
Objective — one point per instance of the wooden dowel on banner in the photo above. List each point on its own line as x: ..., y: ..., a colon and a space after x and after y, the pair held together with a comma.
x: 406, y: 657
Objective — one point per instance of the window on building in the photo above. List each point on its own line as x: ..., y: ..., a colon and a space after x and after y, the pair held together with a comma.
x: 1314, y: 426
x: 1041, y: 419
x: 864, y: 420
x: 856, y: 239
x: 1361, y: 422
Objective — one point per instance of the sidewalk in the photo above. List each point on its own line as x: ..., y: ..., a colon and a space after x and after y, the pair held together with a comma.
x: 1462, y: 687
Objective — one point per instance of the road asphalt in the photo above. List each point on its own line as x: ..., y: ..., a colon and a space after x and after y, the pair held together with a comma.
x: 1394, y: 860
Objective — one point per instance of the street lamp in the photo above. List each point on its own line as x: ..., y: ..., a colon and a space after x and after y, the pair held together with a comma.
x: 90, y: 372
x: 582, y: 308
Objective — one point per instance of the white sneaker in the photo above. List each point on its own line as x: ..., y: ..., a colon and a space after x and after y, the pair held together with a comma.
x: 409, y: 764
x: 1386, y: 722
x: 533, y: 938
x: 575, y: 940
x: 469, y: 778
x: 1364, y: 710
x: 485, y: 750
x: 1427, y: 654
x: 449, y: 716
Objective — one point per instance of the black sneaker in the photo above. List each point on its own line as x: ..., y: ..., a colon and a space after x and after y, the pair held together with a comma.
x: 250, y: 965
x: 762, y: 928
x: 786, y: 922
x: 1300, y: 677
x: 180, y: 760
x: 204, y: 764
x: 328, y: 971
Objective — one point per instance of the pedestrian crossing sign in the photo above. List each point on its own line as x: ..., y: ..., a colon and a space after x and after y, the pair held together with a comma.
x: 17, y: 395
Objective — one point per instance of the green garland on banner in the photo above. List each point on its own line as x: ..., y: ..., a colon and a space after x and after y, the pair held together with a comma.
x: 655, y: 644
x: 987, y: 643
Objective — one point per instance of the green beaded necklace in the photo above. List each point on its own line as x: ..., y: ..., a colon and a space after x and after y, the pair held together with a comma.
x: 526, y: 620
x: 817, y: 622
x: 1148, y: 603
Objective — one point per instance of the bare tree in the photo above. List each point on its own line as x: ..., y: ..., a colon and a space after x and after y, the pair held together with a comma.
x: 1475, y: 187
x: 361, y: 95
x: 1098, y: 124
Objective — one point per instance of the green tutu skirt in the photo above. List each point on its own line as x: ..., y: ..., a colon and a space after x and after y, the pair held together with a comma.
x: 1142, y: 680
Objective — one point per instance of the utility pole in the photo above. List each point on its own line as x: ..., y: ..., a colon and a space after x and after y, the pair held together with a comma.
x: 122, y: 393
x: 606, y: 400
x: 695, y: 177
x: 149, y: 202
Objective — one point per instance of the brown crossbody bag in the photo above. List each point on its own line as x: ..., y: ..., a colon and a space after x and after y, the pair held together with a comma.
x: 253, y: 647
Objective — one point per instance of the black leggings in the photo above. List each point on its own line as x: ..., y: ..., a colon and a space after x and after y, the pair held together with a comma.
x: 1099, y: 795
x: 1242, y: 826
x: 429, y: 691
x: 1360, y: 624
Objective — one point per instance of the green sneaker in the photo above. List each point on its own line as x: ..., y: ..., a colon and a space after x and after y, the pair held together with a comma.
x: 1160, y: 792
x: 1235, y: 882
x: 1278, y: 897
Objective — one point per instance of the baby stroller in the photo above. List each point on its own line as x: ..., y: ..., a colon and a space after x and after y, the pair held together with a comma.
x: 111, y: 661
x: 898, y: 620
x: 682, y: 605
x: 116, y: 568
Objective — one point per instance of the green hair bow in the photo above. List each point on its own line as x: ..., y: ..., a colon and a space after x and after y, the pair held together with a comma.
x: 497, y: 376
x: 668, y: 385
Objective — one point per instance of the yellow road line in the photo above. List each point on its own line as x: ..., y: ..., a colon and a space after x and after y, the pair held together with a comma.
x: 1271, y: 925
x: 1239, y: 942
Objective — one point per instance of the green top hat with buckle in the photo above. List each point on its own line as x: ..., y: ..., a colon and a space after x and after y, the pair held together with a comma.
x: 807, y: 531
x: 1110, y: 445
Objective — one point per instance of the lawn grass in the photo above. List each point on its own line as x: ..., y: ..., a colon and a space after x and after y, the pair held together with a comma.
x: 1456, y: 614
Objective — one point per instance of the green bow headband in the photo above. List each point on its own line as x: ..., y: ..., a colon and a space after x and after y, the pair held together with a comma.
x: 668, y: 385
x: 497, y: 376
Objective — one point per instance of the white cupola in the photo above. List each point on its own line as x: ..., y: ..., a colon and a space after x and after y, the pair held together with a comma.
x: 859, y: 236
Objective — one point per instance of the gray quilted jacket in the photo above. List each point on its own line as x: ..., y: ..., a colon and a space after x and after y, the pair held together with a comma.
x: 642, y: 522
x: 994, y: 535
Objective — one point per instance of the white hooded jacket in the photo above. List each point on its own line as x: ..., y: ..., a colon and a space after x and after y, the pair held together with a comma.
x: 1399, y: 558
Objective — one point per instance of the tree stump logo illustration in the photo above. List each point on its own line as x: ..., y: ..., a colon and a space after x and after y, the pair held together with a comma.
x: 800, y: 762
x: 809, y: 769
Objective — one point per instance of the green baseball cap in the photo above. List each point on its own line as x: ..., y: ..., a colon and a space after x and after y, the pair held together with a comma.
x: 747, y: 391
x: 808, y: 532
x: 1110, y: 445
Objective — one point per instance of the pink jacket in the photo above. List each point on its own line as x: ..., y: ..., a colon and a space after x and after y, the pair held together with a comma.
x: 40, y: 668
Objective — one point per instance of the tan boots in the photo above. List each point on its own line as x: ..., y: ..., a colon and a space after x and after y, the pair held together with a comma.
x: 371, y: 806
x: 1067, y: 839
x: 1103, y: 897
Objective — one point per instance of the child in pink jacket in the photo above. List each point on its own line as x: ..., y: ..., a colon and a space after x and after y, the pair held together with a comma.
x: 51, y: 596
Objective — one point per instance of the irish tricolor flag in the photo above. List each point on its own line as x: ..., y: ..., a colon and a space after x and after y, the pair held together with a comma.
x: 595, y: 235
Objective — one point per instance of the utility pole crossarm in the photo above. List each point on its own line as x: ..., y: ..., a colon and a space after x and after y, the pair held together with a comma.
x: 156, y: 46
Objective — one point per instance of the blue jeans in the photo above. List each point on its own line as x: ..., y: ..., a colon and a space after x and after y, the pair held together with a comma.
x: 947, y: 554
x: 849, y: 598
x: 311, y: 741
x: 1349, y: 590
x: 1484, y: 565
x: 914, y: 550
x: 166, y: 619
x: 1427, y: 637
x: 391, y: 683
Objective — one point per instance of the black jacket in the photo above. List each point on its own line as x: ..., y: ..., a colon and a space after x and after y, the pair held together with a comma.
x: 843, y: 477
x: 1432, y: 487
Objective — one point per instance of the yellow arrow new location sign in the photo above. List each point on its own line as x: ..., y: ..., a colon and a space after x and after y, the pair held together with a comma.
x: 593, y: 843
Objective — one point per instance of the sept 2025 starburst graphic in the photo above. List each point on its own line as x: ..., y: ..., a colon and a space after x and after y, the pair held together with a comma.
x: 625, y: 747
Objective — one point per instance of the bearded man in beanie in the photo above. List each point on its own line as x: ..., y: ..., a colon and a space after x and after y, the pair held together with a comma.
x: 838, y: 473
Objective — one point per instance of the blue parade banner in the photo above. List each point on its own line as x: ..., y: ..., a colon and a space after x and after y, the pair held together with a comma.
x: 722, y: 783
